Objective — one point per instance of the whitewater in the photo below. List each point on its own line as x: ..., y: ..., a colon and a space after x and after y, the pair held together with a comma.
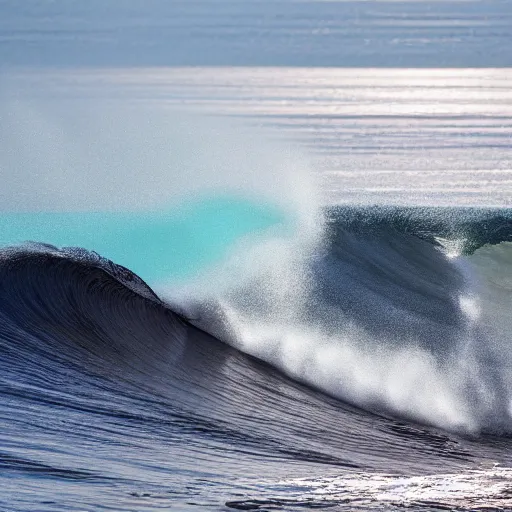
x: 188, y: 321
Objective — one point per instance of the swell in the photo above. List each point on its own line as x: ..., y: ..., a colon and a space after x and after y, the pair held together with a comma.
x: 87, y: 361
x: 109, y: 387
x: 91, y: 357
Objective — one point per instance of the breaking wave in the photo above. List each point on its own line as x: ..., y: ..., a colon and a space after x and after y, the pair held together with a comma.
x: 210, y: 308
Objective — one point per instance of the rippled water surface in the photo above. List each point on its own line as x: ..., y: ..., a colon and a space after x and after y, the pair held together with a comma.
x: 306, y: 210
x: 407, y: 136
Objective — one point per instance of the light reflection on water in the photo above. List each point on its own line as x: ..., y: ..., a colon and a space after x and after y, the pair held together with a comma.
x: 400, y: 136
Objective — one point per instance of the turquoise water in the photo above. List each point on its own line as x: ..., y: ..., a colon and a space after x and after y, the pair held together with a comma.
x: 162, y: 245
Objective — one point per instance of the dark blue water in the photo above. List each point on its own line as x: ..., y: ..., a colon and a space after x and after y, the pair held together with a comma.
x: 110, y: 400
x: 257, y: 33
x: 184, y: 325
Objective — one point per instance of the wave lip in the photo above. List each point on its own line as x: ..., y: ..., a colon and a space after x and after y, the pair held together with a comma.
x: 69, y: 320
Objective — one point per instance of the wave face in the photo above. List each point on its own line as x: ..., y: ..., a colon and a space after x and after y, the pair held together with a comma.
x: 225, y: 342
x: 115, y: 400
x: 395, y: 310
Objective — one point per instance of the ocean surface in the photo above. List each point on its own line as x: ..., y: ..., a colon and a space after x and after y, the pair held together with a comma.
x: 255, y: 256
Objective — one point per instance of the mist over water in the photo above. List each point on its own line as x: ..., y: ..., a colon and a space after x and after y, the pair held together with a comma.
x: 164, y: 193
x: 255, y: 255
x: 421, y: 349
x: 226, y: 225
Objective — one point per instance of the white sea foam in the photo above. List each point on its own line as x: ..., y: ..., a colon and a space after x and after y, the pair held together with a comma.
x: 471, y: 490
x: 264, y: 296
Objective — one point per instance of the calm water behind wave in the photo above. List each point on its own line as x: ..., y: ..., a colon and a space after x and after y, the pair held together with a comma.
x: 399, y: 136
x: 410, y: 33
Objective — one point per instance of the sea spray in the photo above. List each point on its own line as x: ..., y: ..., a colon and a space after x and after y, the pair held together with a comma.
x: 226, y: 223
x: 163, y: 192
